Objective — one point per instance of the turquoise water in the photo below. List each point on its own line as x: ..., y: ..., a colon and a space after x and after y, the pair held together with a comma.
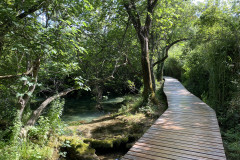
x: 85, y: 109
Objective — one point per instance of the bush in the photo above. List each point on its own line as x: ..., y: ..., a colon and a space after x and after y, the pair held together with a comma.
x: 35, y: 145
x: 26, y: 150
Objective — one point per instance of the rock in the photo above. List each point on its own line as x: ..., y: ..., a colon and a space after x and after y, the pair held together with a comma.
x: 104, y: 145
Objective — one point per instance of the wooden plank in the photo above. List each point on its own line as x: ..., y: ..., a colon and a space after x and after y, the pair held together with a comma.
x: 178, y: 118
x: 190, y: 131
x: 165, y: 146
x: 184, y: 145
x: 143, y: 156
x: 195, y: 123
x: 172, y: 153
x: 184, y: 122
x: 182, y: 125
x: 159, y: 153
x: 178, y: 138
x: 134, y: 157
x: 198, y: 121
x: 191, y: 114
x: 163, y: 132
x: 216, y: 147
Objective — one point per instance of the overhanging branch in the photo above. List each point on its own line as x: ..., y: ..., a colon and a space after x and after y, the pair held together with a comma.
x: 18, y: 75
x: 39, y: 110
x: 133, y: 14
x: 167, y: 49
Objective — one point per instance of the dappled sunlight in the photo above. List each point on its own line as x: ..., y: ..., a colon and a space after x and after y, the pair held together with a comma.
x: 173, y: 127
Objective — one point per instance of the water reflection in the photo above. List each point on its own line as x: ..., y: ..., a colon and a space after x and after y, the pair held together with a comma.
x: 85, y: 109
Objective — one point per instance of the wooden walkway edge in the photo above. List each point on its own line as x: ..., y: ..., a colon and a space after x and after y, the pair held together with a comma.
x: 188, y: 129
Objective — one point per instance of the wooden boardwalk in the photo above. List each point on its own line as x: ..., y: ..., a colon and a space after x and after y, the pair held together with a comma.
x: 188, y: 129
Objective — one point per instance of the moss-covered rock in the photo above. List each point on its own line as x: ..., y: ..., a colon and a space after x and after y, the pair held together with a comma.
x: 118, y: 142
x: 77, y: 150
x: 95, y: 143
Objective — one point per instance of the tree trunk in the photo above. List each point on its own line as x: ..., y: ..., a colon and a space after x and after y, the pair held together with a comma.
x: 98, y: 94
x: 160, y: 71
x: 151, y: 61
x: 1, y: 45
x: 147, y: 79
x: 23, y: 100
x: 38, y: 111
x: 152, y: 75
x: 143, y: 35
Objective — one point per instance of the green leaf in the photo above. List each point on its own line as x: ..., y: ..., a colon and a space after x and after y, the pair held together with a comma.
x: 23, y: 79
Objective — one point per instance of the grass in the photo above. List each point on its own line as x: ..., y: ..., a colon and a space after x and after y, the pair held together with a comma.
x: 27, y: 150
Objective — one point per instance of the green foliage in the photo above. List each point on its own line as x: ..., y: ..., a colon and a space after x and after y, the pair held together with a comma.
x: 55, y: 112
x: 132, y: 86
x: 174, y: 64
x: 34, y: 146
x: 149, y: 110
x: 196, y: 73
x: 16, y: 129
x: 79, y: 82
x: 42, y: 130
x: 50, y: 124
x: 231, y: 143
x: 146, y: 110
x: 123, y: 109
x: 26, y: 150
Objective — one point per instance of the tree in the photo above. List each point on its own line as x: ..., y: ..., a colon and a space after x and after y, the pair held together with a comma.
x: 143, y: 36
x: 34, y: 37
x: 173, y: 23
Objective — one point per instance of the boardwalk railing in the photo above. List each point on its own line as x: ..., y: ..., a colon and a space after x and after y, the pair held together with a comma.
x: 188, y: 129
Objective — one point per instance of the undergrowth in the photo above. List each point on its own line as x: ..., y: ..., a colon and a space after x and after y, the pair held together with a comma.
x: 35, y: 145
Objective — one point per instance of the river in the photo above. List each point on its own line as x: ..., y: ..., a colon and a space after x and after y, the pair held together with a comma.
x: 85, y: 109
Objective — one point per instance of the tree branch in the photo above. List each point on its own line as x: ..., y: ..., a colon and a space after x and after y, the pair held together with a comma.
x: 130, y: 7
x: 175, y: 42
x: 18, y: 75
x: 31, y: 10
x: 125, y: 32
x: 160, y: 61
x: 150, y: 6
x: 154, y: 3
x: 5, y: 27
x: 23, y: 100
x: 116, y: 67
x: 167, y: 49
x: 38, y: 111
